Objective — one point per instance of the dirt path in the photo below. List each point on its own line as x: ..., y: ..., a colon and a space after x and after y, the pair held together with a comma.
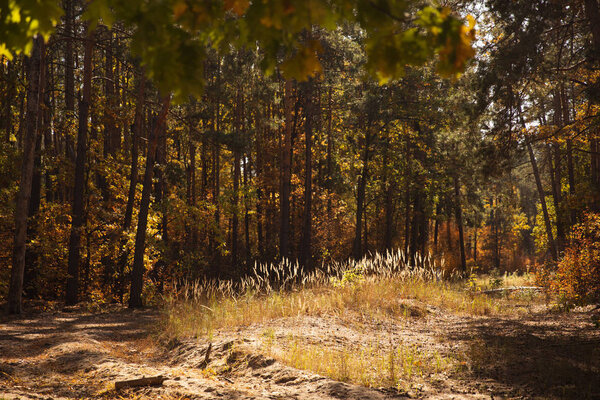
x: 79, y: 355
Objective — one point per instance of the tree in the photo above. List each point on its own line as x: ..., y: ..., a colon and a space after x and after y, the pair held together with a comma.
x: 78, y: 212
x: 34, y: 91
x: 137, y: 271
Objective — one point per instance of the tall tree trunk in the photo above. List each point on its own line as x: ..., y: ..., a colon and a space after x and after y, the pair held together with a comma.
x: 247, y: 248
x: 389, y: 199
x: 306, y: 245
x: 570, y: 168
x: 112, y: 139
x: 136, y: 131
x: 236, y: 180
x: 459, y: 222
x: 8, y: 101
x: 448, y: 220
x: 78, y: 213
x: 34, y: 91
x: 542, y: 196
x: 137, y: 270
x: 49, y: 145
x: 192, y: 195
x: 260, y: 237
x: 329, y: 155
x: 407, y: 180
x: 555, y: 172
x: 286, y: 174
x: 69, y: 72
x: 475, y: 246
x: 555, y: 180
x: 418, y: 241
x: 436, y: 229
x: 216, y: 156
x: 357, y: 249
x: 161, y: 187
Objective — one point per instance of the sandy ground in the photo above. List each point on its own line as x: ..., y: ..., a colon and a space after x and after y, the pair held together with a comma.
x: 73, y: 355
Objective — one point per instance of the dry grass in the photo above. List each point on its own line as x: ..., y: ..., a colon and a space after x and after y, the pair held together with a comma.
x: 371, y: 365
x: 378, y: 289
x: 372, y: 287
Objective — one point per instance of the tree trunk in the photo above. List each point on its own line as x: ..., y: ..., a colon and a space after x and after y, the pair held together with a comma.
x: 8, y: 101
x: 306, y: 245
x: 436, y: 229
x: 34, y: 90
x: 542, y: 196
x: 193, y: 239
x: 69, y: 72
x: 475, y: 246
x: 286, y: 174
x: 329, y: 156
x: 236, y: 180
x: 247, y: 248
x: 555, y: 180
x: 407, y: 179
x: 459, y: 222
x: 161, y: 188
x: 111, y: 134
x: 137, y: 271
x: 357, y: 249
x: 389, y: 199
x: 136, y: 131
x: 77, y: 214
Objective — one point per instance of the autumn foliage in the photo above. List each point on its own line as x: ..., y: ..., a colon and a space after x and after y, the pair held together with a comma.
x: 577, y: 279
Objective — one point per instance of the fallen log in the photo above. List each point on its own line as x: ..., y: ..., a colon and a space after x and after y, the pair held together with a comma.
x: 511, y: 289
x: 149, y: 381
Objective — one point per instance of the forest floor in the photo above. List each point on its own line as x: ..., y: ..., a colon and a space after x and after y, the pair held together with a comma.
x: 539, y: 353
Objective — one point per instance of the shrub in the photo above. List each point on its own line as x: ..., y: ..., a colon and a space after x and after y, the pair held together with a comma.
x: 577, y: 279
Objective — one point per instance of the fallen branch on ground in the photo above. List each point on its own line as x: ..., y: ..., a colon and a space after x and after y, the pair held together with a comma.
x: 206, y: 360
x: 150, y: 381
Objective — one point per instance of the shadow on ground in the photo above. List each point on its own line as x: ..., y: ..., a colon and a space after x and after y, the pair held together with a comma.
x: 543, y: 356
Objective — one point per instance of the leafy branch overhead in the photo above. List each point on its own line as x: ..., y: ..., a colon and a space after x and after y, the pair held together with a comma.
x: 171, y: 36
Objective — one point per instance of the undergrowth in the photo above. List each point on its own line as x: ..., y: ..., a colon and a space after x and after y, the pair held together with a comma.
x: 376, y: 289
x: 372, y: 365
x: 373, y: 287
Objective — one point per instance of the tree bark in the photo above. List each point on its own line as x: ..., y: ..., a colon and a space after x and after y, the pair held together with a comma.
x: 247, y: 248
x: 389, y: 199
x: 436, y: 229
x: 34, y: 94
x: 306, y: 245
x: 10, y: 93
x: 542, y: 196
x: 286, y: 174
x: 137, y: 271
x: 357, y: 249
x: 236, y: 179
x: 112, y: 139
x: 555, y: 180
x: 459, y: 222
x: 329, y: 157
x: 136, y: 133
x: 69, y: 72
x: 77, y: 213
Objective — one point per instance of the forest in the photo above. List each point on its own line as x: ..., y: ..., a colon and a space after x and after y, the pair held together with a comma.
x: 397, y: 169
